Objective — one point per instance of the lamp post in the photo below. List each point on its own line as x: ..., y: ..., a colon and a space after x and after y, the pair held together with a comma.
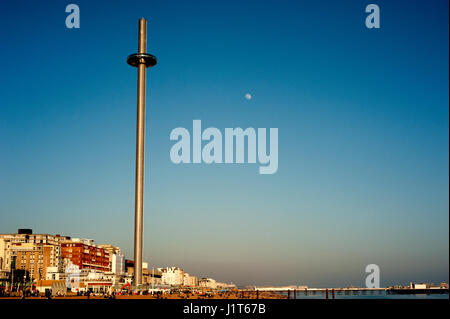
x: 141, y: 60
x: 153, y: 277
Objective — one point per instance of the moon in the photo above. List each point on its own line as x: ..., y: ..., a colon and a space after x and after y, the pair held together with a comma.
x: 248, y: 96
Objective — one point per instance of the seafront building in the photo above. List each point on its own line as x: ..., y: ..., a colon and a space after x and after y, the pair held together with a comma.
x: 116, y: 258
x: 85, y: 254
x: 210, y: 283
x: 207, y: 283
x: 151, y: 277
x: 31, y: 253
x: 64, y: 265
x: 190, y: 281
x: 172, y: 276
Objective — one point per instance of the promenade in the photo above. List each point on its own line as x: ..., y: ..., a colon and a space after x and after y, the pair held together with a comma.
x: 208, y: 295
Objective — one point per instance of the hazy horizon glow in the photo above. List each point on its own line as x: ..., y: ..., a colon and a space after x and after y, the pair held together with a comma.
x: 362, y: 118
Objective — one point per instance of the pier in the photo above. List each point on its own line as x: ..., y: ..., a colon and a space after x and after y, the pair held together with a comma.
x: 331, y: 293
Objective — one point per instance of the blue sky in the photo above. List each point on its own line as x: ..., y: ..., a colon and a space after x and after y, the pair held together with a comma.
x: 363, y: 122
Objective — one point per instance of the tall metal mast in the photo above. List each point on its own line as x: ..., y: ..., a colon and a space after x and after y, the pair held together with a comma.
x: 141, y: 60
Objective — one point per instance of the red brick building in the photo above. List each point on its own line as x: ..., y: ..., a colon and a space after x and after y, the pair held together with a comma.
x: 86, y: 256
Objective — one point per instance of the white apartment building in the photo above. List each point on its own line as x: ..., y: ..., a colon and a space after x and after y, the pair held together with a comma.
x: 173, y: 276
x: 207, y: 283
x: 86, y: 241
x: 118, y: 264
x: 190, y: 281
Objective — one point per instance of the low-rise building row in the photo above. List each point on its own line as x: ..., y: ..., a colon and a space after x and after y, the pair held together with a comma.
x: 52, y: 262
